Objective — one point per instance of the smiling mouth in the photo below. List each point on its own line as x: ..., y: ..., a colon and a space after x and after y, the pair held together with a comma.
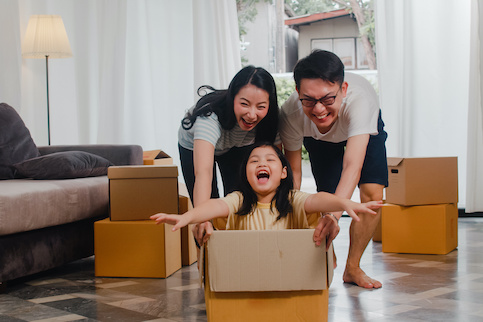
x: 321, y: 117
x: 248, y: 123
x: 263, y: 176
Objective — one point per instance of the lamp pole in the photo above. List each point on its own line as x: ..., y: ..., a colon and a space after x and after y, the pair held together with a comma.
x: 46, y: 37
x: 48, y: 104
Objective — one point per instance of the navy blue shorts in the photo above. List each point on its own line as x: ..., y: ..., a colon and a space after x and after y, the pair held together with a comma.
x: 326, y: 159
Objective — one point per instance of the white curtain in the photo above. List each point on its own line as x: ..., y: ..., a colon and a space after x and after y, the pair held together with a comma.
x: 423, y: 53
x: 474, y: 186
x: 135, y: 70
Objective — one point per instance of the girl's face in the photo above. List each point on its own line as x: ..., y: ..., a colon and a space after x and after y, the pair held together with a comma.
x: 264, y: 172
x: 251, y: 106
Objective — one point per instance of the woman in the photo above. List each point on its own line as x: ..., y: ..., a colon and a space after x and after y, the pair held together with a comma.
x: 219, y: 128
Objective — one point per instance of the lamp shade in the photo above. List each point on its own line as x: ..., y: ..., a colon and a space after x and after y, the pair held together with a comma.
x: 46, y: 36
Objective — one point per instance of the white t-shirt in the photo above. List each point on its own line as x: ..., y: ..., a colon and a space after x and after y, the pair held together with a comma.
x: 358, y: 114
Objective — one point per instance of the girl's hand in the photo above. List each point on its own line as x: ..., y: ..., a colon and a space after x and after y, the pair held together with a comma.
x: 367, y: 208
x: 177, y: 220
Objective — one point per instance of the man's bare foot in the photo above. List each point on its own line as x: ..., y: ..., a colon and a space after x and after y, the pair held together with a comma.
x: 358, y: 277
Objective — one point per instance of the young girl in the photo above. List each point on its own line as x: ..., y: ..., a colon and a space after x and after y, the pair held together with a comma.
x: 267, y: 201
x: 219, y: 128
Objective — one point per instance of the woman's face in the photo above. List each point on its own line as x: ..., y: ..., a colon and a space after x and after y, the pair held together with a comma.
x: 251, y: 106
x: 265, y: 172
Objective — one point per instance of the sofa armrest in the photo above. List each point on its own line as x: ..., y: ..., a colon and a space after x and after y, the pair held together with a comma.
x: 118, y: 154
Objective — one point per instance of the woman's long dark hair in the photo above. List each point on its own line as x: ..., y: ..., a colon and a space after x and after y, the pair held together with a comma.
x: 283, y: 197
x: 220, y: 102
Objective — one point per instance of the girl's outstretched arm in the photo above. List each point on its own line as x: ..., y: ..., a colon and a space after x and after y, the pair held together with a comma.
x: 327, y: 202
x: 212, y: 208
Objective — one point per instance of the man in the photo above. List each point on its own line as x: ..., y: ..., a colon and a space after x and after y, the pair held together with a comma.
x: 338, y: 120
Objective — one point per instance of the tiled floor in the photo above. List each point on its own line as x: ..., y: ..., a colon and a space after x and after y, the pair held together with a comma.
x: 415, y: 288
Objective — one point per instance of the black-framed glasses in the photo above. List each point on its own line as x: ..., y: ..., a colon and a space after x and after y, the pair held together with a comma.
x: 326, y: 100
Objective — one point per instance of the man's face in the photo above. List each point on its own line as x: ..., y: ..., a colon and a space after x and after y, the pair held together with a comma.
x: 321, y: 101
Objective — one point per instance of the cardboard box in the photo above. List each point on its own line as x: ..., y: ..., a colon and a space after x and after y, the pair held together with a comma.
x: 430, y: 229
x: 377, y: 237
x: 266, y: 276
x: 138, y: 192
x: 188, y: 246
x: 156, y: 157
x: 422, y: 181
x: 136, y: 249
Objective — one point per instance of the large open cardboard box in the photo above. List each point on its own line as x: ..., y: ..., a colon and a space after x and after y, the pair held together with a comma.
x: 136, y: 249
x: 266, y: 276
x: 429, y: 229
x: 138, y: 192
x: 422, y: 181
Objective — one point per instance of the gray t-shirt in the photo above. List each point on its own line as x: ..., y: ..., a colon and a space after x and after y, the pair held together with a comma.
x: 210, y: 130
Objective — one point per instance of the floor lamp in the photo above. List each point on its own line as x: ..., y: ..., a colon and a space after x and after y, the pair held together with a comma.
x: 46, y: 38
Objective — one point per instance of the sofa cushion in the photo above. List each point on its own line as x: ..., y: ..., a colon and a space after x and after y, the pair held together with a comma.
x: 63, y: 165
x: 16, y: 144
x: 27, y: 204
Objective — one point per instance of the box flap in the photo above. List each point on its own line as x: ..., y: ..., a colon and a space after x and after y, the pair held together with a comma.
x: 330, y: 265
x: 150, y: 155
x: 142, y: 171
x: 155, y: 154
x: 394, y: 162
x: 267, y: 260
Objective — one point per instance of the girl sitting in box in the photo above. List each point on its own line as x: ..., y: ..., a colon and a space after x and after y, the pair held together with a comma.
x: 267, y: 200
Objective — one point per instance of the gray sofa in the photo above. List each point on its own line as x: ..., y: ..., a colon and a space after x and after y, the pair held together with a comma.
x: 50, y: 197
x: 48, y: 223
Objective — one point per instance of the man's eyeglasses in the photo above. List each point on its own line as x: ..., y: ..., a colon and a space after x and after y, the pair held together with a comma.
x: 326, y: 100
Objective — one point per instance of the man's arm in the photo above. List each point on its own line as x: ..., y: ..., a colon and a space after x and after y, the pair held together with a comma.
x: 295, y: 160
x: 354, y: 156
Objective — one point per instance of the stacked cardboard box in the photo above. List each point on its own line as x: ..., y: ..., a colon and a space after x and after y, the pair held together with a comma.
x: 266, y: 276
x: 422, y: 214
x: 129, y: 244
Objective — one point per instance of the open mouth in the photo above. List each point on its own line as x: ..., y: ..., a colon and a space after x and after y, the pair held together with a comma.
x: 321, y: 117
x: 263, y: 176
x: 248, y: 124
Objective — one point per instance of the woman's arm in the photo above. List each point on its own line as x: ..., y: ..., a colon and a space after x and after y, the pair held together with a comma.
x: 295, y: 160
x: 203, y: 159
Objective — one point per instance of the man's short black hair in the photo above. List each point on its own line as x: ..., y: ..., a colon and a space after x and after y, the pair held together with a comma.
x: 319, y: 64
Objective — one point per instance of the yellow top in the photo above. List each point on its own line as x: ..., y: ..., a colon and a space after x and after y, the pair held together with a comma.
x: 264, y: 218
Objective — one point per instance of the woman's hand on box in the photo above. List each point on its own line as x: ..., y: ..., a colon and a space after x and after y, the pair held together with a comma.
x: 202, y: 232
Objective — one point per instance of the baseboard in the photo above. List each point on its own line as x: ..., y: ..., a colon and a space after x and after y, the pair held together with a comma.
x: 462, y: 213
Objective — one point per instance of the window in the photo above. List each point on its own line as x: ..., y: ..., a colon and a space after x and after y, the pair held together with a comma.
x: 349, y: 50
